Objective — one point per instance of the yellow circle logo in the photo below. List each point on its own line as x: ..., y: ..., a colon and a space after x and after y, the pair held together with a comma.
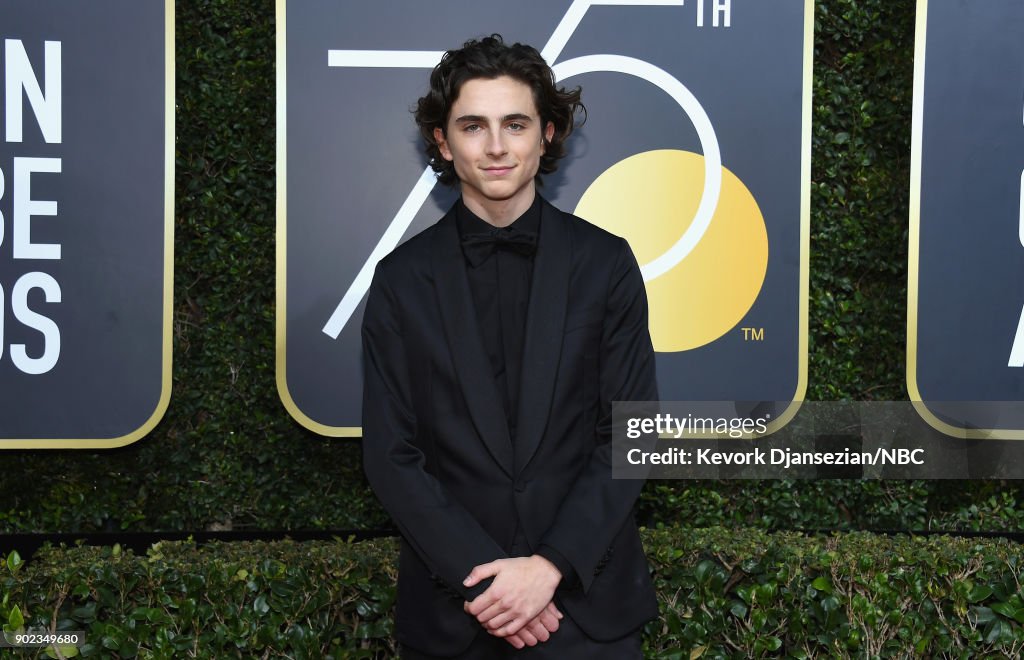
x: 651, y: 199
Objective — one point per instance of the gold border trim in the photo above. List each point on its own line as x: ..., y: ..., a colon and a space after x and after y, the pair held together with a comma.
x: 805, y: 222
x: 281, y: 294
x: 168, y: 279
x: 355, y: 431
x: 914, y: 250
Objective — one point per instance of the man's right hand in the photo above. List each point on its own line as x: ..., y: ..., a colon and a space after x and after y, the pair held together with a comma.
x: 538, y: 630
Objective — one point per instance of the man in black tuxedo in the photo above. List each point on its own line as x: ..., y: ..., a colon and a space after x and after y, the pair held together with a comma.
x: 494, y: 344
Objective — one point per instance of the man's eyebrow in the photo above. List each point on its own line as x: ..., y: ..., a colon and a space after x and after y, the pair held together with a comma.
x: 516, y: 116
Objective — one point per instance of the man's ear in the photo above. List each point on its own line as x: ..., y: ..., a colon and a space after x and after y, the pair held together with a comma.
x: 549, y: 132
x: 442, y: 144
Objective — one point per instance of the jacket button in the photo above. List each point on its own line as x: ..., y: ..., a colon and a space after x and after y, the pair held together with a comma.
x: 520, y: 486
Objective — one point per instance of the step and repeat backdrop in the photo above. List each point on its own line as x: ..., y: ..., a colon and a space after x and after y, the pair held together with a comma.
x: 86, y: 194
x: 696, y: 149
x: 965, y: 351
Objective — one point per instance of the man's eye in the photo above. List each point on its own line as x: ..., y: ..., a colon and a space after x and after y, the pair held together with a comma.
x: 516, y: 126
x: 471, y: 128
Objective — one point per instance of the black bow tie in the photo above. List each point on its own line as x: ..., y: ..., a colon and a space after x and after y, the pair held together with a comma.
x: 479, y: 247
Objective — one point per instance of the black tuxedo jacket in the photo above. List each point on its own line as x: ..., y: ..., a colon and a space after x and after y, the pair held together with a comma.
x: 436, y: 443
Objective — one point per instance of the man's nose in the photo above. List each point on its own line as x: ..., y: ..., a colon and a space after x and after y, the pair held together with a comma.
x: 496, y: 144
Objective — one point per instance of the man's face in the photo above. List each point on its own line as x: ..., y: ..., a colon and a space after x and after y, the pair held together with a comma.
x: 493, y: 138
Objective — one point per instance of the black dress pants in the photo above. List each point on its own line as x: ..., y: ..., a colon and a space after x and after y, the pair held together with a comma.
x: 567, y: 643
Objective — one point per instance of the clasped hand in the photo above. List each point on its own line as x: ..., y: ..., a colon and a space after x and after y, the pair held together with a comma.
x: 517, y: 605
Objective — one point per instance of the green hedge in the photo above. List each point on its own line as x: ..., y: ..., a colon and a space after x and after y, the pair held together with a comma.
x: 724, y: 593
x: 227, y: 455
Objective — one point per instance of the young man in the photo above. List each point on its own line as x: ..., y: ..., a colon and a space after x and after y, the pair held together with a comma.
x: 494, y: 344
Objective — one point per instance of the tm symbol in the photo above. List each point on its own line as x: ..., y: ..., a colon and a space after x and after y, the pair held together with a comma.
x: 753, y: 334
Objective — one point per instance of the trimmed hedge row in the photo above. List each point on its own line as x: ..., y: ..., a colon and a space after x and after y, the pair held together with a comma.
x: 723, y: 593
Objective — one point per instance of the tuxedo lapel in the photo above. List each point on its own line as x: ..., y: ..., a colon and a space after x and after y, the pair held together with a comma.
x: 465, y: 343
x: 545, y: 322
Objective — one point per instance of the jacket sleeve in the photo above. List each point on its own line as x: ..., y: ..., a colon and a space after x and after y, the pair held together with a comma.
x: 446, y: 537
x: 597, y: 506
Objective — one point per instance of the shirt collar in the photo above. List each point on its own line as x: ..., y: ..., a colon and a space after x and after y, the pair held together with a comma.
x: 470, y: 223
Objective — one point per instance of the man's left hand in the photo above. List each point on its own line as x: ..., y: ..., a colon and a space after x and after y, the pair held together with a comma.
x: 538, y: 630
x: 522, y: 587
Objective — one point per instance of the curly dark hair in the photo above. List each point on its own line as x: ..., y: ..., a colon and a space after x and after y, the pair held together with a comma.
x: 492, y: 58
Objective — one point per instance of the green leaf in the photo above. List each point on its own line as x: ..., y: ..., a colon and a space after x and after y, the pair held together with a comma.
x: 86, y: 613
x: 1007, y: 610
x: 822, y: 584
x: 15, y: 619
x: 260, y: 605
x: 979, y: 593
x: 703, y: 571
x: 14, y: 561
x: 982, y: 615
x: 994, y: 631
